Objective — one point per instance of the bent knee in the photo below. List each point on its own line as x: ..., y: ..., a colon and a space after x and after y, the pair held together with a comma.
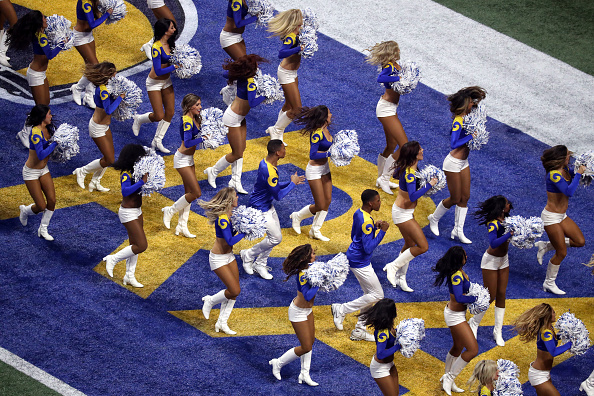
x: 234, y: 291
x: 579, y: 242
x: 157, y: 116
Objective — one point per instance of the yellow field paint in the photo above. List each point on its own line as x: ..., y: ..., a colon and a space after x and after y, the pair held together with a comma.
x: 118, y: 43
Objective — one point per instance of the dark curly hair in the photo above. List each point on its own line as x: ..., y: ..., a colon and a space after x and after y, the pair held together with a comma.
x: 312, y: 119
x: 407, y: 157
x: 299, y: 259
x: 460, y: 100
x: 491, y: 209
x: 243, y: 68
x: 24, y: 30
x: 129, y: 155
x: 381, y: 315
x: 161, y: 27
x: 452, y: 261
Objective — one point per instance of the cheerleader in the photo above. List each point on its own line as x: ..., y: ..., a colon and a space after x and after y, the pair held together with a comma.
x: 495, y: 263
x: 243, y: 71
x: 160, y: 11
x: 7, y: 12
x: 485, y: 373
x: 222, y: 261
x: 381, y: 317
x: 99, y: 74
x: 455, y: 164
x: 87, y: 19
x: 231, y: 37
x: 159, y: 85
x: 561, y: 183
x: 130, y: 214
x: 385, y: 55
x: 35, y: 172
x: 449, y: 269
x: 403, y: 210
x: 183, y: 161
x: 287, y: 25
x: 537, y: 324
x: 300, y: 314
x: 315, y: 122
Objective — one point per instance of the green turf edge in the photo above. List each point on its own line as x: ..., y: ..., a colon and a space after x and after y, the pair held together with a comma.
x: 15, y: 383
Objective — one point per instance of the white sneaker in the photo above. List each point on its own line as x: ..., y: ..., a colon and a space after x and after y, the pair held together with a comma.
x: 361, y: 335
x: 262, y: 270
x: 212, y: 178
x: 338, y: 318
x: 248, y: 266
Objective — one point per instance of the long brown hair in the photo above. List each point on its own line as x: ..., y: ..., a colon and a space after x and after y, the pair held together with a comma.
x: 187, y: 102
x: 460, y: 100
x: 529, y: 324
x: 243, y: 68
x: 99, y: 73
x: 297, y: 260
x: 312, y: 119
x: 407, y: 157
x: 554, y: 157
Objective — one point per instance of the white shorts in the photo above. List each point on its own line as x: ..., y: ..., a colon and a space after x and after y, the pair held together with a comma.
x: 538, y: 377
x: 157, y: 85
x: 314, y: 172
x: 218, y: 260
x: 550, y: 218
x: 81, y: 38
x: 297, y: 314
x: 182, y: 160
x: 385, y: 108
x: 400, y: 215
x: 451, y: 164
x: 155, y: 3
x: 453, y: 318
x: 35, y: 78
x: 34, y: 174
x: 128, y: 214
x: 227, y: 39
x: 490, y: 262
x: 286, y: 76
x: 97, y: 130
x: 231, y: 118
x: 379, y: 370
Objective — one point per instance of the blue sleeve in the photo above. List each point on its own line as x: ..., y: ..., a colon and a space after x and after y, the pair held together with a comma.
x: 413, y: 193
x: 314, y: 153
x: 253, y: 99
x: 281, y: 190
x: 287, y: 51
x: 237, y: 18
x: 555, y: 350
x: 495, y: 242
x: 455, y: 140
x: 385, y: 77
x: 188, y: 141
x: 51, y: 53
x: 370, y: 242
x: 565, y: 188
x: 42, y: 147
x: 128, y: 188
x: 382, y: 352
x: 310, y: 292
x: 93, y: 23
x: 229, y: 238
x: 110, y: 105
x: 458, y: 292
x: 159, y: 70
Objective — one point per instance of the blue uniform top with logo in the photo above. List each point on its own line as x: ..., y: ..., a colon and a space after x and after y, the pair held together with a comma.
x: 189, y: 132
x: 84, y: 12
x: 37, y: 142
x: 547, y: 341
x: 458, y: 135
x: 104, y: 100
x: 388, y: 75
x: 290, y: 46
x: 159, y: 58
x: 305, y: 287
x: 129, y: 188
x: 458, y: 285
x: 408, y: 182
x: 364, y: 240
x: 224, y: 229
x: 237, y: 11
x: 247, y: 90
x: 319, y: 145
x: 41, y: 46
x: 385, y: 343
x: 268, y: 187
x: 497, y: 234
x: 556, y: 183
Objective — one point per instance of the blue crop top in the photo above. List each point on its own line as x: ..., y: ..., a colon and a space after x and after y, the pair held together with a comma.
x: 291, y: 46
x: 388, y: 75
x: 84, y: 12
x: 305, y: 287
x: 547, y: 341
x: 319, y: 145
x: 189, y: 132
x: 104, y: 100
x: 224, y: 229
x: 497, y: 234
x: 385, y: 343
x: 556, y: 183
x: 364, y: 240
x: 37, y: 142
x: 160, y: 57
x: 237, y: 11
x: 127, y: 187
x: 41, y: 47
x: 267, y: 187
x: 407, y: 182
x: 458, y: 135
x: 247, y: 90
x: 459, y: 285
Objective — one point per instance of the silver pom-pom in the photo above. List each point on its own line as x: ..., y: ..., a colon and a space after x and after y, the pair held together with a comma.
x: 229, y: 92
x: 263, y: 9
x: 526, y: 230
x: 213, y: 130
x: 119, y: 9
x: 409, y: 74
x: 132, y: 97
x: 154, y: 165
x: 345, y: 146
x: 429, y: 172
x: 409, y: 334
x: 570, y: 328
x: 66, y: 136
x: 328, y: 276
x: 250, y: 221
x: 482, y: 298
x: 309, y: 33
x: 187, y: 59
x: 586, y: 159
x: 59, y: 32
x: 268, y: 87
x: 508, y: 383
x: 475, y: 123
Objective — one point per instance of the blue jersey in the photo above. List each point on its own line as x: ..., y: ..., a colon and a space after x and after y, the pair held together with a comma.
x: 41, y: 46
x: 459, y: 286
x: 84, y: 12
x: 497, y: 234
x: 128, y: 188
x: 267, y: 187
x: 305, y: 287
x: 388, y: 75
x: 547, y: 341
x: 237, y: 11
x: 104, y: 100
x: 556, y: 183
x: 159, y: 58
x: 458, y: 135
x: 385, y: 343
x: 189, y: 132
x: 319, y: 145
x: 407, y: 182
x: 290, y: 46
x: 224, y: 229
x: 364, y: 240
x: 37, y: 142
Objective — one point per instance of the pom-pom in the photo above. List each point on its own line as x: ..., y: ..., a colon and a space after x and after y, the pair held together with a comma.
x: 154, y: 165
x: 268, y: 87
x: 345, y: 145
x: 263, y: 9
x: 586, y: 159
x: 187, y: 59
x: 483, y: 298
x: 229, y: 92
x: 59, y: 33
x: 508, y: 383
x: 309, y: 33
x: 250, y: 221
x: 409, y: 334
x: 570, y: 328
x: 66, y: 136
x: 429, y: 172
x: 132, y: 97
x: 526, y: 231
x: 213, y: 130
x: 328, y: 276
x: 409, y: 74
x: 475, y: 124
x: 118, y: 7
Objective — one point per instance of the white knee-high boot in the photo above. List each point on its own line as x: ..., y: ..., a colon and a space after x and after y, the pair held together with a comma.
x: 182, y: 223
x: 236, y: 170
x: 448, y: 379
x: 147, y: 48
x: 213, y: 171
x: 282, y: 122
x: 140, y: 119
x: 588, y: 385
x: 25, y: 212
x: 285, y: 359
x: 157, y: 142
x: 95, y: 183
x: 23, y: 135
x: 305, y: 365
x: 450, y: 359
x: 45, y: 220
x: 475, y: 322
x: 497, y: 330
x: 549, y: 283
x: 384, y: 180
x: 460, y: 219
x: 318, y: 220
x: 3, y: 49
x: 224, y: 313
x: 401, y: 273
x: 112, y: 259
x: 169, y: 211
x: 211, y: 301
x: 129, y: 278
x: 82, y: 172
x: 392, y: 267
x: 434, y: 218
x: 297, y: 217
x: 89, y: 98
x: 78, y: 90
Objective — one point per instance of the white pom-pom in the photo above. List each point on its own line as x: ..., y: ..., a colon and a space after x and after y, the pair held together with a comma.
x: 586, y: 159
x: 309, y: 33
x: 508, y: 383
x: 59, y: 33
x: 118, y: 7
x: 154, y: 165
x: 213, y: 130
x: 229, y: 92
x: 475, y: 123
x: 268, y: 87
x: 328, y: 276
x: 66, y: 136
x: 526, y: 231
x: 482, y: 298
x: 429, y: 172
x: 187, y: 59
x: 250, y: 221
x: 263, y: 9
x: 132, y: 97
x: 310, y: 18
x: 409, y: 334
x: 570, y: 328
x: 345, y: 146
x: 409, y: 74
